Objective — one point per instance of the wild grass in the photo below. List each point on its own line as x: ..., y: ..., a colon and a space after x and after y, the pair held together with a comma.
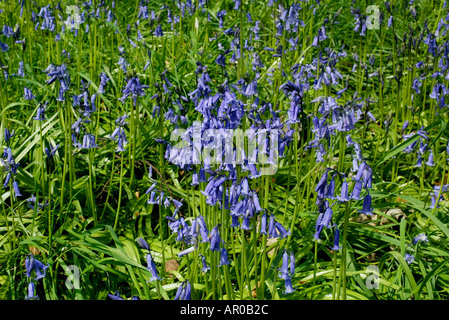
x: 95, y: 207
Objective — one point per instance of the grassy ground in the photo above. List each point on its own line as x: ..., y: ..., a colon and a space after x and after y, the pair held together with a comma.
x: 94, y: 189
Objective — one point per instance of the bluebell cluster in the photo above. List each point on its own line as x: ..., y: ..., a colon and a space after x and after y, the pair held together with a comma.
x: 36, y: 267
x: 224, y: 105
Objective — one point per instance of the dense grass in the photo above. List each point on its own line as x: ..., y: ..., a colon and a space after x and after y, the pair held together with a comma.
x: 385, y: 106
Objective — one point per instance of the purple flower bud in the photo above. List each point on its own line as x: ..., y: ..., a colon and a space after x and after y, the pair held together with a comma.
x: 16, y: 189
x: 143, y: 244
x: 184, y: 291
x: 223, y: 257
x: 33, y: 264
x: 430, y: 162
x: 344, y: 192
x: 31, y: 292
x: 284, y: 270
x: 356, y: 191
x: 263, y: 224
x: 288, y: 286
x: 367, y: 208
x: 152, y: 268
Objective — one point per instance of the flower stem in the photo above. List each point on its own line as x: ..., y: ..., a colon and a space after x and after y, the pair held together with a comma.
x: 344, y: 252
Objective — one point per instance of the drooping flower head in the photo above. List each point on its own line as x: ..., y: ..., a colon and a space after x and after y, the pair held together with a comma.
x: 58, y: 72
x: 32, y: 264
x: 184, y: 291
x: 31, y: 292
x: 134, y: 89
x: 152, y: 268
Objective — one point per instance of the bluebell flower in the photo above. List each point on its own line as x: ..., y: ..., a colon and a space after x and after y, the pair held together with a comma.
x: 16, y: 189
x: 4, y: 47
x: 184, y: 291
x: 288, y: 265
x: 409, y: 258
x: 11, y: 168
x: 119, y: 134
x: 318, y: 226
x: 50, y: 152
x: 28, y: 95
x: 256, y: 30
x: 115, y: 296
x: 123, y: 63
x: 40, y: 114
x: 245, y: 223
x: 220, y: 16
x: 276, y: 229
x: 404, y: 127
x: 221, y: 59
x: 223, y: 257
x: 195, y: 179
x: 158, y: 32
x: 215, y: 239
x: 292, y: 263
x: 390, y: 21
x: 255, y: 202
x: 186, y: 251
x: 330, y: 193
x: 143, y: 244
x: 132, y: 43
x: 344, y: 192
x: 420, y: 238
x: 419, y: 162
x: 31, y: 292
x: 283, y: 233
x: 367, y: 208
x: 152, y: 268
x: 327, y: 216
x: 88, y: 141
x: 7, y: 31
x: 336, y: 246
x: 355, y: 195
x: 143, y: 13
x: 322, y: 183
x: 32, y: 203
x: 205, y: 266
x: 435, y: 193
x: 321, y: 36
x: 103, y: 81
x: 263, y: 224
x: 56, y: 72
x: 288, y: 286
x: 235, y: 221
x: 134, y: 89
x: 430, y: 162
x: 21, y: 70
x: 204, y: 232
x: 33, y: 264
x: 6, y: 182
x: 8, y: 135
x: 416, y: 85
x: 7, y: 155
